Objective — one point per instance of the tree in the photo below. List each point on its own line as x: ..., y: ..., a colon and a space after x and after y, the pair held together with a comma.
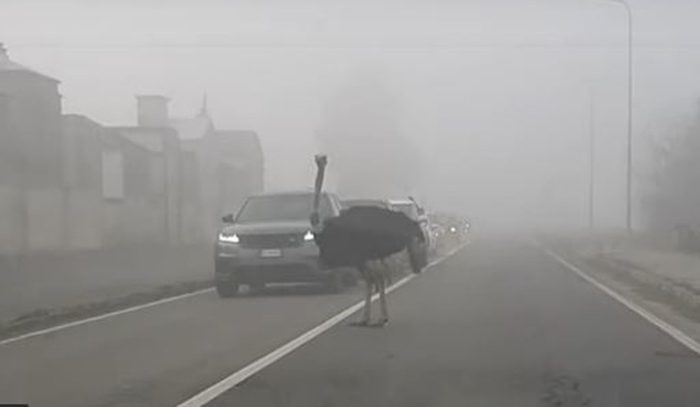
x: 674, y: 198
x: 369, y: 153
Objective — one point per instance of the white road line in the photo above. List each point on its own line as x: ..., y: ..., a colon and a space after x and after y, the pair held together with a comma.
x: 102, y: 316
x: 229, y: 382
x: 664, y: 326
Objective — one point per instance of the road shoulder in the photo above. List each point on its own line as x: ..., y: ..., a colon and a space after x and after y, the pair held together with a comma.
x: 660, y: 297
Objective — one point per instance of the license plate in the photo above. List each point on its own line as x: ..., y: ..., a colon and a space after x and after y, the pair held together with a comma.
x: 270, y: 253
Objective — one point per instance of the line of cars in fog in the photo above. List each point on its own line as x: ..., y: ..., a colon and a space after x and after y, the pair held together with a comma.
x: 270, y: 241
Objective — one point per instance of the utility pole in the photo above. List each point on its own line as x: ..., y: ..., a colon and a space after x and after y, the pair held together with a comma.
x: 630, y: 88
x: 591, y: 164
x: 630, y: 96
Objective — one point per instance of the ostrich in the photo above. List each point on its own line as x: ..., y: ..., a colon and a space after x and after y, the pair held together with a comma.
x: 361, y: 235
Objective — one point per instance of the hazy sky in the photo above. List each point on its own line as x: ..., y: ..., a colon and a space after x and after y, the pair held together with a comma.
x: 496, y: 93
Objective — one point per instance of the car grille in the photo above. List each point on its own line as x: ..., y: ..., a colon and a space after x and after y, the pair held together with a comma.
x: 271, y: 241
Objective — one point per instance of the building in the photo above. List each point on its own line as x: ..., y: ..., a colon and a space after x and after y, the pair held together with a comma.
x: 82, y: 183
x: 69, y: 183
x: 32, y: 104
x: 201, y: 192
x: 243, y: 166
x: 220, y: 167
x: 30, y: 158
x: 165, y: 172
x: 121, y: 185
x: 138, y: 206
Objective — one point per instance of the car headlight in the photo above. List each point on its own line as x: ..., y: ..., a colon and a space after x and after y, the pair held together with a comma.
x: 308, y: 236
x: 229, y: 238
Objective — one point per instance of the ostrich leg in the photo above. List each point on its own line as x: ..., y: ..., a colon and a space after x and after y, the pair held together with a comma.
x: 388, y: 271
x: 367, y: 310
x: 381, y: 282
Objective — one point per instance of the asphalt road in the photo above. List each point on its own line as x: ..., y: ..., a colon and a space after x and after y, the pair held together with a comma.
x: 159, y: 356
x: 498, y: 324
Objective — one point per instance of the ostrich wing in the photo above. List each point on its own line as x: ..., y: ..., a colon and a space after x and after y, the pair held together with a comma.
x: 361, y: 234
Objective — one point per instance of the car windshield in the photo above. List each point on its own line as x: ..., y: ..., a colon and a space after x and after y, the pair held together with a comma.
x: 283, y: 207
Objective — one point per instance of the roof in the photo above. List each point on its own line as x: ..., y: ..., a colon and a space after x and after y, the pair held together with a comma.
x: 166, y: 131
x: 78, y: 118
x: 366, y: 202
x: 135, y: 133
x: 295, y: 192
x: 192, y: 129
x: 401, y: 202
x: 152, y: 96
x: 114, y: 138
x: 309, y: 191
x: 8, y: 65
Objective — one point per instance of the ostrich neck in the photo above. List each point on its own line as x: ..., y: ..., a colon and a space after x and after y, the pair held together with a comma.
x: 318, y: 186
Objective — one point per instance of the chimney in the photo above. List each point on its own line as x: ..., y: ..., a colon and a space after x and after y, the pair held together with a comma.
x: 152, y: 110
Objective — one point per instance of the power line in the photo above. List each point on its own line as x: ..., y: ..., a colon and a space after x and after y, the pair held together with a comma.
x: 353, y: 45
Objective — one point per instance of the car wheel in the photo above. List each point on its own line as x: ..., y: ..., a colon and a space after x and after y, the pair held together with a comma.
x: 226, y: 288
x: 417, y: 256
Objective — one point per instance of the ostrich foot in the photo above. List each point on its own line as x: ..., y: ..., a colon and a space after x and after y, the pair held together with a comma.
x: 361, y: 323
x: 380, y: 323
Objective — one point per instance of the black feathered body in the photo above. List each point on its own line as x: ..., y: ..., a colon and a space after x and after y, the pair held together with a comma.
x: 364, y: 233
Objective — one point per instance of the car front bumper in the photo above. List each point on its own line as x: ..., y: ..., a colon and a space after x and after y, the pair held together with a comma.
x: 249, y: 266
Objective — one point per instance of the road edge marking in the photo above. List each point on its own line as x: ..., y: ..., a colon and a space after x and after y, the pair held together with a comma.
x: 96, y: 318
x: 675, y: 333
x: 227, y: 383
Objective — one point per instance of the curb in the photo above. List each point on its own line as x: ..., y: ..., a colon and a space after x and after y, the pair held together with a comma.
x: 45, y: 319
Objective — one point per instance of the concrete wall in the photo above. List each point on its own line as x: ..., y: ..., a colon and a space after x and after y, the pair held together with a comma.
x: 83, y: 226
x: 82, y: 173
x: 11, y: 217
x: 190, y: 199
x: 47, y: 219
x: 34, y: 114
x: 45, y: 209
x: 130, y: 223
x: 139, y: 215
x: 196, y: 190
x: 164, y: 175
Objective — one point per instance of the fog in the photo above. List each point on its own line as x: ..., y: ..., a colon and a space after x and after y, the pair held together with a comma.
x: 491, y: 100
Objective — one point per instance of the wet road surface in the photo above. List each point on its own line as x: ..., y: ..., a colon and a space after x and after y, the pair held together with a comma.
x: 498, y: 324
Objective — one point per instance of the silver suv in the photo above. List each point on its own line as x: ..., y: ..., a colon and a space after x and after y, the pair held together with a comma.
x: 411, y: 209
x: 270, y: 241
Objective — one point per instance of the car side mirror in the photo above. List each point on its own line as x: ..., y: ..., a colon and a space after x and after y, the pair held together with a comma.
x: 227, y: 218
